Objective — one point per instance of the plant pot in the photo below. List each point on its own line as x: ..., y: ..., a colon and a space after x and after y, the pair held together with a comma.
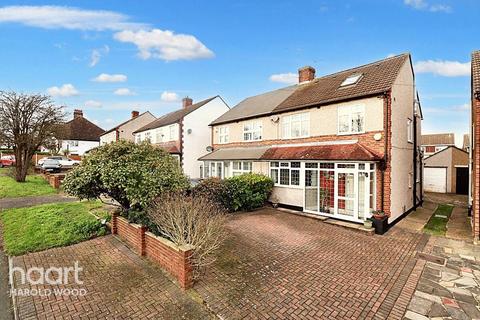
x: 368, y: 223
x: 380, y: 224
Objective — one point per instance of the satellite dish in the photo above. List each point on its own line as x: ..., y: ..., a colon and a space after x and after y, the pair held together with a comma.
x: 209, y: 149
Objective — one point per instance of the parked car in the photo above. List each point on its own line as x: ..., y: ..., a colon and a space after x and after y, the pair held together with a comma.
x: 64, y: 161
x: 7, y: 161
x: 51, y: 165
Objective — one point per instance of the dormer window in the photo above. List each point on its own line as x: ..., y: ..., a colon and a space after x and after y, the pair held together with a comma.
x: 352, y: 79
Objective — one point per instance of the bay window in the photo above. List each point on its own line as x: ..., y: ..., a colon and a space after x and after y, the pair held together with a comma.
x: 252, y: 131
x: 296, y: 126
x: 351, y: 119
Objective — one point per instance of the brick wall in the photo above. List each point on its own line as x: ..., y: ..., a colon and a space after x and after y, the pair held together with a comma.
x: 54, y: 179
x: 172, y: 258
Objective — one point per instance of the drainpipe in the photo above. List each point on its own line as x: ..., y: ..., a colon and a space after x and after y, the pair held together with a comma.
x: 415, y: 155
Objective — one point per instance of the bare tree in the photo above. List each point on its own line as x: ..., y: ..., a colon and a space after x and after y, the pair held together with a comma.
x: 26, y: 123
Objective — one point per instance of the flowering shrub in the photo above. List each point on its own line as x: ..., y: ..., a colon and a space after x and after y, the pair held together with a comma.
x: 132, y: 174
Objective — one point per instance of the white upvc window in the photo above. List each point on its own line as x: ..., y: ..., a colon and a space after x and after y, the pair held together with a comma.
x: 285, y: 173
x: 410, y: 130
x: 148, y: 136
x: 223, y: 134
x: 160, y: 136
x: 172, y: 132
x: 296, y: 126
x: 252, y: 131
x: 138, y: 137
x: 351, y: 119
x: 241, y: 167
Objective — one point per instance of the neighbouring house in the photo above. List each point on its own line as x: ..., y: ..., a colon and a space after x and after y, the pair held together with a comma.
x: 475, y: 146
x: 124, y: 131
x: 79, y: 135
x: 432, y: 143
x: 185, y: 133
x: 447, y: 171
x: 341, y: 146
x: 466, y: 142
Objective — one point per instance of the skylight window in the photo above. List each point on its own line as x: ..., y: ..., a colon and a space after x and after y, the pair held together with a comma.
x: 352, y: 79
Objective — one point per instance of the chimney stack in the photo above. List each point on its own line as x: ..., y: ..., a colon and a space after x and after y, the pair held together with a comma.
x: 135, y: 114
x: 187, y: 102
x: 77, y: 113
x: 306, y: 74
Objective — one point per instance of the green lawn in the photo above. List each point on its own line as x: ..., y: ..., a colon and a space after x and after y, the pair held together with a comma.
x: 34, y: 186
x: 437, y: 225
x: 51, y: 225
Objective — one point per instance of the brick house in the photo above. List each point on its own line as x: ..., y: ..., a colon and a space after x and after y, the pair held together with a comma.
x: 340, y: 146
x: 185, y: 133
x: 475, y: 145
x: 432, y: 143
x: 124, y: 131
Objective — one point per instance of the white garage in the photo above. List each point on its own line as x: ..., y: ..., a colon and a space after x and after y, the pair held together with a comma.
x: 435, y: 179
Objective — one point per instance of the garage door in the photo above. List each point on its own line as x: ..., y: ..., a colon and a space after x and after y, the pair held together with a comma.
x: 435, y: 180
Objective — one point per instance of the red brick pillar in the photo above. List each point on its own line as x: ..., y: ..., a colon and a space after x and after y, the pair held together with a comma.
x: 143, y: 244
x: 185, y: 267
x: 114, y: 225
x: 56, y: 182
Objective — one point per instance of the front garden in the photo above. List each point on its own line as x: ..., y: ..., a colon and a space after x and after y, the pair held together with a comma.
x: 51, y: 225
x: 34, y: 185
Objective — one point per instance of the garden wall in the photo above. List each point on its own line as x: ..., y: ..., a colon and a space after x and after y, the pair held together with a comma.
x: 172, y: 258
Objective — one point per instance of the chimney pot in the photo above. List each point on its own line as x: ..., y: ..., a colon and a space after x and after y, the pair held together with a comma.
x: 135, y: 114
x: 77, y: 113
x: 187, y: 102
x: 306, y: 74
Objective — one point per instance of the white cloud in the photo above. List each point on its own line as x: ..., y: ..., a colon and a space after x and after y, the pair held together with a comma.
x: 62, y: 17
x: 424, y: 5
x: 66, y: 90
x: 105, y: 77
x: 124, y: 92
x: 97, y: 54
x: 288, y: 78
x: 169, y: 96
x: 165, y: 45
x: 443, y: 68
x: 93, y: 104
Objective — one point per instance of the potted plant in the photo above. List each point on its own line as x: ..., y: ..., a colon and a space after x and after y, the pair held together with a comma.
x: 367, y: 223
x: 380, y: 221
x: 274, y: 200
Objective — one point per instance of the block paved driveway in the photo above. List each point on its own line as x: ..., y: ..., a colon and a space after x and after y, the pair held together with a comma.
x: 120, y: 285
x: 283, y: 266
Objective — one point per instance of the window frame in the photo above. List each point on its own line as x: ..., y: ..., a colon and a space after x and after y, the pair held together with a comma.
x: 241, y: 170
x: 255, y: 123
x: 285, y: 165
x: 304, y: 122
x: 349, y: 110
x: 225, y: 134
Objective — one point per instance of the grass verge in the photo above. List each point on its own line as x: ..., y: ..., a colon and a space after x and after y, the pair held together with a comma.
x: 50, y: 225
x: 33, y: 186
x: 437, y: 225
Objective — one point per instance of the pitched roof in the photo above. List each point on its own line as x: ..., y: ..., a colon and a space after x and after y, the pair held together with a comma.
x: 175, y: 116
x: 476, y: 73
x: 262, y: 104
x: 80, y: 128
x: 254, y: 153
x: 354, y: 151
x: 125, y: 122
x: 377, y: 77
x: 438, y: 139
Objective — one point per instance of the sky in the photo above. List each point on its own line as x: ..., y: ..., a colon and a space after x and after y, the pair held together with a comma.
x: 110, y: 57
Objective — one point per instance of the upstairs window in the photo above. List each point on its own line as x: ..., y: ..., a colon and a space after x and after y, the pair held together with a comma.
x: 252, y: 131
x: 223, y: 135
x: 350, y: 80
x: 172, y: 131
x: 296, y: 126
x: 351, y: 119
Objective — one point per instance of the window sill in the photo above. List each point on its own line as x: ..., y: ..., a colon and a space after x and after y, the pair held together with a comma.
x: 349, y: 133
x: 288, y: 187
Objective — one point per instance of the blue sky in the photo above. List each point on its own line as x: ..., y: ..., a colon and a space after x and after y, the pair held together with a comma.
x: 110, y: 57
